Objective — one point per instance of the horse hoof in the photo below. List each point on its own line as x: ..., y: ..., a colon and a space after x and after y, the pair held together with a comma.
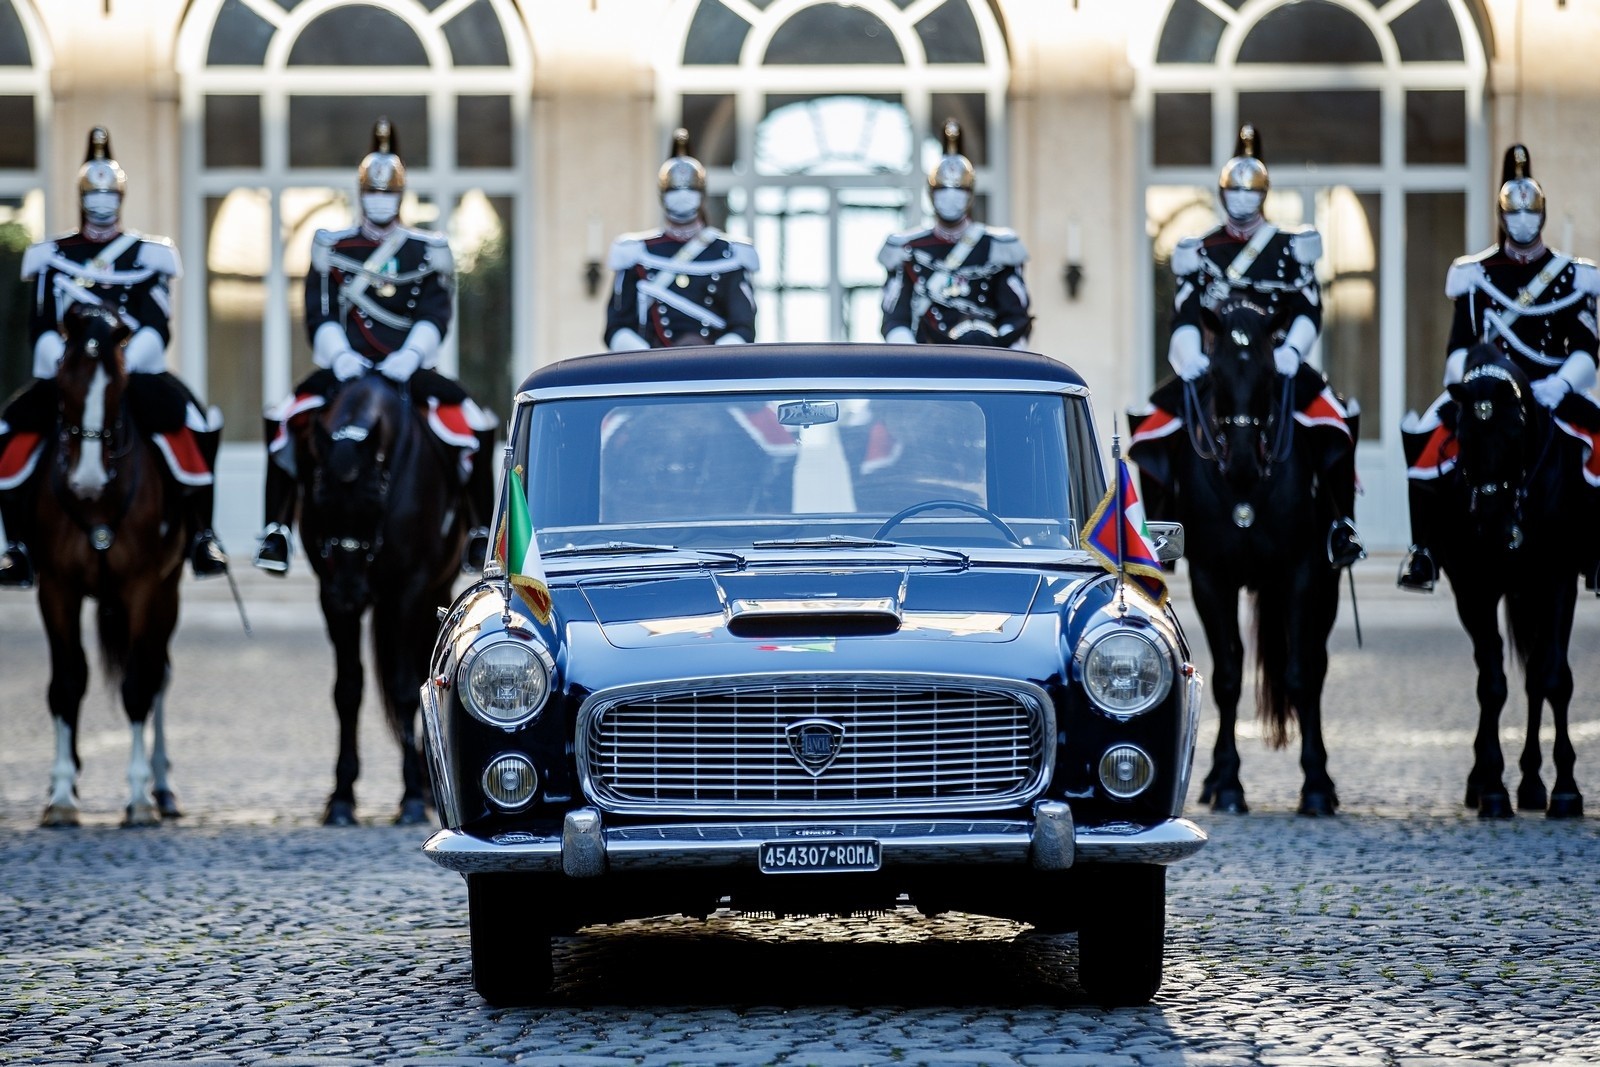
x: 339, y: 813
x: 1495, y: 806
x: 1230, y: 802
x: 1531, y: 796
x: 1205, y: 793
x: 1318, y: 803
x: 143, y: 813
x: 167, y: 804
x: 1472, y: 796
x: 1565, y: 806
x: 413, y: 812
x: 57, y: 815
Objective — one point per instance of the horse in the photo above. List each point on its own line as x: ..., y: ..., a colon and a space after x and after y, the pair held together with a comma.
x: 109, y: 529
x: 1507, y: 512
x: 383, y: 526
x: 1244, y: 488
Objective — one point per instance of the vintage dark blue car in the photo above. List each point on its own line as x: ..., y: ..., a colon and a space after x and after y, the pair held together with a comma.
x: 808, y: 629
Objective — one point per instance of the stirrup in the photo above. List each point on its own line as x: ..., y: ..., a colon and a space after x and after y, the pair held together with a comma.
x: 206, y: 557
x: 273, y: 555
x: 1418, y: 572
x: 16, y: 567
x: 1344, y: 544
x: 475, y: 551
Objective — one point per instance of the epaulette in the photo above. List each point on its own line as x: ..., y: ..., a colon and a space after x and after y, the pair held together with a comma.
x: 1586, y: 276
x: 1005, y: 247
x: 1465, y: 271
x: 893, y: 252
x: 159, y: 255
x: 744, y: 254
x: 627, y: 250
x: 35, y: 258
x: 1186, y: 257
x: 1306, y: 247
x: 322, y: 243
x: 440, y: 257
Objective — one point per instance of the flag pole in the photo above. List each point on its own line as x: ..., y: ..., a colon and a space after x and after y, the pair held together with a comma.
x: 1122, y: 519
x: 502, y: 534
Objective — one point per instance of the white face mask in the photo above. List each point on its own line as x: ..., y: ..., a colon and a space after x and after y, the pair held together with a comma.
x: 951, y: 204
x: 102, y: 209
x: 1523, y: 226
x: 1242, y: 205
x: 681, y: 205
x: 380, y: 208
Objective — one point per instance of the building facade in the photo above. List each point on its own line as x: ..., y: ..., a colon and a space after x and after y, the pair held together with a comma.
x: 532, y: 130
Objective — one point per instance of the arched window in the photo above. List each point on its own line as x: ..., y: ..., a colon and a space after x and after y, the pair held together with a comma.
x: 279, y: 100
x: 24, y: 113
x: 817, y: 122
x: 1372, y: 123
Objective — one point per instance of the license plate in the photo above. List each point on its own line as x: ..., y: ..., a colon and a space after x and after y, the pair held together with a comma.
x: 812, y: 857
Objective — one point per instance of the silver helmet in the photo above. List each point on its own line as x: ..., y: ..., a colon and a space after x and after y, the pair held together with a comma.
x: 382, y: 171
x: 1243, y: 182
x: 1521, y: 199
x: 954, y: 170
x: 101, y: 182
x: 681, y: 170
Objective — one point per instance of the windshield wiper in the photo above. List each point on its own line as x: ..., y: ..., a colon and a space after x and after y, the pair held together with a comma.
x: 846, y: 541
x: 615, y: 547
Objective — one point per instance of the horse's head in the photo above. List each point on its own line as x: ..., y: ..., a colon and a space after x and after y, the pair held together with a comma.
x: 89, y: 386
x: 352, y: 444
x: 1245, y: 391
x: 1496, y: 424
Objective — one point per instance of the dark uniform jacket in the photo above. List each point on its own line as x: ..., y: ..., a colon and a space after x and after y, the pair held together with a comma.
x: 1538, y: 313
x: 1274, y: 269
x: 73, y: 268
x: 673, y: 292
x: 968, y: 291
x: 378, y: 302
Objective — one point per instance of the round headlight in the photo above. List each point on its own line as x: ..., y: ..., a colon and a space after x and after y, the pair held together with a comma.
x: 1127, y: 672
x: 1126, y: 771
x: 510, y: 781
x: 505, y: 684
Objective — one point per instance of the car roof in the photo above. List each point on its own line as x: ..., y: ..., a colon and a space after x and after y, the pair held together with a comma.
x: 832, y: 361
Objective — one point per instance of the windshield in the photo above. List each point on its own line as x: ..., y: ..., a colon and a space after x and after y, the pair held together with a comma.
x: 735, y: 471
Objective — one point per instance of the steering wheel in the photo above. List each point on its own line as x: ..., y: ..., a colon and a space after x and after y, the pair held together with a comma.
x: 960, y: 505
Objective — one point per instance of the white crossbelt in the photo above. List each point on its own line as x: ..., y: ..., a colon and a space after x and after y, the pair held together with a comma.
x: 658, y: 286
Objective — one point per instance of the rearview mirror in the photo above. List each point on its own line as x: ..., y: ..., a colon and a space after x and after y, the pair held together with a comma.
x: 1167, y: 537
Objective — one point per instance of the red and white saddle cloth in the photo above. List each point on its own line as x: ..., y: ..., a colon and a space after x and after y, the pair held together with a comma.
x: 1324, y: 411
x: 454, y: 424
x: 1431, y: 449
x: 19, y: 452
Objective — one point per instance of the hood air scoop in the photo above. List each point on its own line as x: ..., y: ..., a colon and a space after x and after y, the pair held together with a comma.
x: 813, y: 617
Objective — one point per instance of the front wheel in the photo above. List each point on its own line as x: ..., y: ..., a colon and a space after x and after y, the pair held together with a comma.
x: 1121, y: 941
x: 512, y: 961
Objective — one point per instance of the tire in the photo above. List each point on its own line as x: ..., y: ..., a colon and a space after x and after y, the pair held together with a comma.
x: 512, y: 962
x: 1120, y: 948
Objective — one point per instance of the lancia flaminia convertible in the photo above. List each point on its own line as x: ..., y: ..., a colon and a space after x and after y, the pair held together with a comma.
x: 808, y: 629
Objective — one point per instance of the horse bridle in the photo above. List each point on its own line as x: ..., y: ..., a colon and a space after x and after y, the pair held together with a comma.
x: 370, y: 546
x: 100, y: 534
x: 1525, y: 473
x: 1205, y: 428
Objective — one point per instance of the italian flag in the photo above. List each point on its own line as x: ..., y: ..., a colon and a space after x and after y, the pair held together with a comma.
x: 519, y: 550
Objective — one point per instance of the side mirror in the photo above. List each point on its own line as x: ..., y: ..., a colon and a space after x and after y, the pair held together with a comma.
x: 1168, y: 540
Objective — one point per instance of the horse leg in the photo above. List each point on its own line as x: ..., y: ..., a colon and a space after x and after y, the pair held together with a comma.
x: 69, y: 679
x: 1566, y: 802
x: 1485, y: 789
x: 160, y: 766
x: 401, y: 645
x: 1305, y: 678
x: 1218, y: 605
x: 152, y: 615
x: 344, y: 630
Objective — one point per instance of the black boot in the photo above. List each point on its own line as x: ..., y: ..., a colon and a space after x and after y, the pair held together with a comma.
x: 480, y: 504
x: 206, y: 556
x: 16, y: 565
x: 1418, y: 571
x: 1344, y: 544
x: 278, y: 507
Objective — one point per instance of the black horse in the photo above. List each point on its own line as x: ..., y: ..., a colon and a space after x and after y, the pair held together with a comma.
x: 382, y: 522
x: 1245, y: 489
x: 1509, y: 511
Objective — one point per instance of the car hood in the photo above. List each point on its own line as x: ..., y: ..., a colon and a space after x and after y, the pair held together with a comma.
x: 792, y: 607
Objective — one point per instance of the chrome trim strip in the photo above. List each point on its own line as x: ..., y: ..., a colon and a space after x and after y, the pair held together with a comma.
x: 775, y: 384
x: 815, y: 607
x: 444, y: 787
x: 905, y: 843
x: 1193, y: 688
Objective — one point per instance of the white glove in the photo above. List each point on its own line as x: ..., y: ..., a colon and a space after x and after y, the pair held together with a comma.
x: 145, y: 352
x: 626, y: 340
x: 401, y: 365
x: 1287, y: 359
x: 347, y: 365
x: 47, y: 354
x: 1183, y: 352
x: 900, y: 335
x: 1576, y: 375
x: 1455, y: 365
x: 1549, y: 391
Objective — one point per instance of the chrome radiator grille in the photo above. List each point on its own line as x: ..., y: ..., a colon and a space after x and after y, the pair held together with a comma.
x: 733, y: 748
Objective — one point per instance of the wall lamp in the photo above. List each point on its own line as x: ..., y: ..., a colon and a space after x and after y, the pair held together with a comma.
x: 1072, y: 273
x: 592, y: 275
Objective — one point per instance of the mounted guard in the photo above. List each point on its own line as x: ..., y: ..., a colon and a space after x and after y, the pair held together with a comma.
x: 1535, y: 305
x: 378, y: 297
x: 130, y: 274
x: 1248, y: 260
x: 959, y: 281
x: 686, y: 283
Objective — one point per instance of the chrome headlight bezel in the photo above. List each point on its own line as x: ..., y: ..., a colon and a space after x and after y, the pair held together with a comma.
x: 485, y: 781
x: 1156, y: 645
x: 538, y: 656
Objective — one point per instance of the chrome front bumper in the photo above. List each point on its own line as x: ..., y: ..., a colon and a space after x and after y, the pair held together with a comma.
x: 586, y: 848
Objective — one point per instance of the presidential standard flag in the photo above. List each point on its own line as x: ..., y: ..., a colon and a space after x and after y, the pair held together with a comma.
x: 1119, y: 537
x: 518, y: 550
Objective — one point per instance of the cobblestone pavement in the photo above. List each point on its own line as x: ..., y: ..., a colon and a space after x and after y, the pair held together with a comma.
x: 1404, y: 932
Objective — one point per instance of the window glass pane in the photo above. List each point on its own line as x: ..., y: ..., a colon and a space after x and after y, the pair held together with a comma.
x: 17, y: 133
x: 1182, y: 129
x: 21, y: 224
x: 1348, y: 128
x: 950, y: 34
x: 710, y: 120
x: 357, y: 36
x: 304, y: 212
x: 833, y: 135
x: 866, y: 218
x: 1436, y: 127
x: 1191, y: 34
x: 483, y: 131
x: 715, y: 36
x: 1310, y: 31
x: 336, y: 131
x: 972, y: 112
x: 238, y: 256
x: 1349, y: 224
x: 239, y: 37
x: 1172, y: 212
x: 480, y: 236
x: 233, y: 131
x: 476, y: 38
x: 13, y: 42
x: 831, y: 33
x: 1436, y: 231
x: 1428, y: 32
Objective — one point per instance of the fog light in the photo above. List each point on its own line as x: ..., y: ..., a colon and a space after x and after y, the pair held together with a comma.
x: 1126, y: 771
x: 510, y: 781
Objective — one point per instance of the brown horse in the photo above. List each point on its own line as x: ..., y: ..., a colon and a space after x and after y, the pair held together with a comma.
x: 111, y: 530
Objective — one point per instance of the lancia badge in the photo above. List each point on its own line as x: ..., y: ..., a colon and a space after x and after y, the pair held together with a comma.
x: 814, y: 743
x: 1244, y: 516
